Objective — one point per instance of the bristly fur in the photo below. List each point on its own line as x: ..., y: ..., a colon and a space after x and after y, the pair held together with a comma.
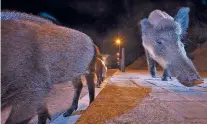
x: 36, y: 54
x: 13, y: 15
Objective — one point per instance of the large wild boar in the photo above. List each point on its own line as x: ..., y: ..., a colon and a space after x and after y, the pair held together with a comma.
x: 161, y: 35
x: 35, y: 55
x: 100, y: 68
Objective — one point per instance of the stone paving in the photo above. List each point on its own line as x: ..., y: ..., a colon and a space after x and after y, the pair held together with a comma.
x: 169, y: 102
x: 59, y: 99
x: 82, y: 104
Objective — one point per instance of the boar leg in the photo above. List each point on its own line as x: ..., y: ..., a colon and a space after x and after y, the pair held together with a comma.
x: 166, y: 75
x: 99, y: 80
x: 10, y: 121
x: 24, y: 109
x: 91, y: 85
x: 78, y: 87
x: 151, y: 64
x: 43, y: 114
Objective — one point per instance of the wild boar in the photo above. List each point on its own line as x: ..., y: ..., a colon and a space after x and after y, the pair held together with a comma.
x: 37, y: 55
x: 161, y: 38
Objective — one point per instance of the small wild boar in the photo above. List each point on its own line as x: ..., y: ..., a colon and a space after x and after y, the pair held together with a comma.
x: 36, y: 54
x: 100, y: 69
x: 161, y: 38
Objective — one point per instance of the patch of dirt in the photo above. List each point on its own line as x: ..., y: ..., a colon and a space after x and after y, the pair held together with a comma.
x: 113, y: 101
x: 199, y: 57
x: 141, y: 64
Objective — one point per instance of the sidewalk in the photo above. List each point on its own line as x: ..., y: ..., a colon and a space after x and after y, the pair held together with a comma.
x: 83, y: 103
x: 134, y: 97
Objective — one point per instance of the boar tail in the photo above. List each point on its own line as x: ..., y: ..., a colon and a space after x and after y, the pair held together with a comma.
x: 96, y: 55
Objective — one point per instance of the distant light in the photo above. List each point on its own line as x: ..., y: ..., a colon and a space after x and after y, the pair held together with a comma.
x: 118, y: 41
x: 117, y: 54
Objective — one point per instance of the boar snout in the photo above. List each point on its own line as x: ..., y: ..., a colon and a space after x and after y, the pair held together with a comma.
x: 192, y: 83
x: 185, y: 71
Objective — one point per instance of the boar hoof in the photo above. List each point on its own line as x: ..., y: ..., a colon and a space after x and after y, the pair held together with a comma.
x: 98, y: 85
x: 154, y: 76
x: 69, y: 111
x: 166, y: 78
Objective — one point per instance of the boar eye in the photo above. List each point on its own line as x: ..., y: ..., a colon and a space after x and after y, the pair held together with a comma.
x: 159, y: 42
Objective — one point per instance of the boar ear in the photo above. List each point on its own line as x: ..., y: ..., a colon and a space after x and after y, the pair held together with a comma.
x: 145, y: 24
x: 105, y: 56
x: 182, y: 18
x: 49, y: 17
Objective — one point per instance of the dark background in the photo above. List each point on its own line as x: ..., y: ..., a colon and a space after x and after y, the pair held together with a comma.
x: 105, y: 20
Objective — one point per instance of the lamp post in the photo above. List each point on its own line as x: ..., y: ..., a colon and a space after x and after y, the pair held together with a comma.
x: 120, y: 56
x: 118, y: 42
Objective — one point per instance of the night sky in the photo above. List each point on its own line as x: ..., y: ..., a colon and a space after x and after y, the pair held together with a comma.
x: 104, y: 20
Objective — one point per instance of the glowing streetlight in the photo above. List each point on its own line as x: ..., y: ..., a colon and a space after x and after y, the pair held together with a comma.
x: 118, y: 41
x: 117, y: 54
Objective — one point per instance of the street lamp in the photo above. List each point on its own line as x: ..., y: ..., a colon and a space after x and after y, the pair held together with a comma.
x: 120, y: 55
x: 118, y: 42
